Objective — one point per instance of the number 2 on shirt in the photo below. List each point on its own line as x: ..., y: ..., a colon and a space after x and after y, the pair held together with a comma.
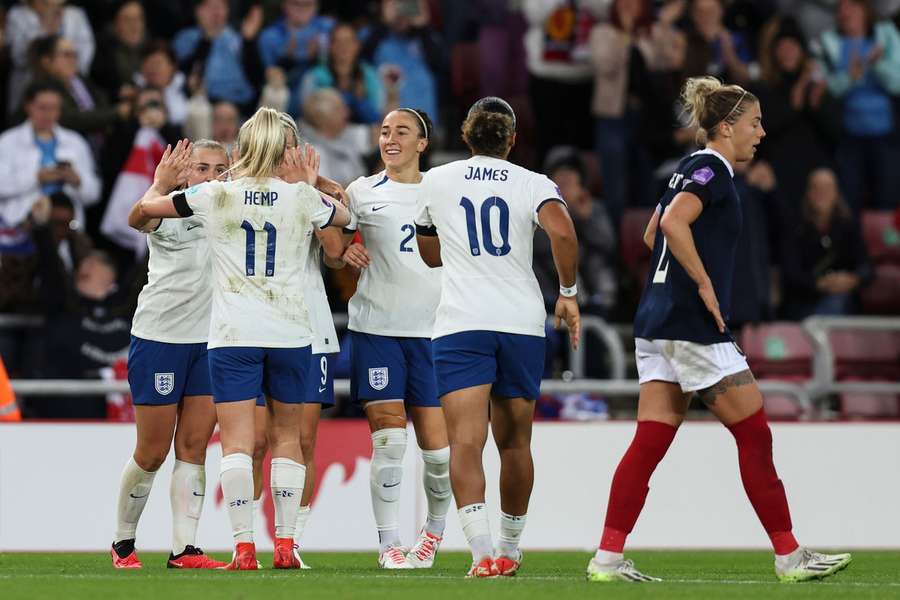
x: 251, y: 248
x: 662, y: 269
x: 488, y: 235
x: 410, y: 234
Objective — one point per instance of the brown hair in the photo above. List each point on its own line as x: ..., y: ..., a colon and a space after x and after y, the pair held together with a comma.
x: 710, y: 102
x: 488, y: 133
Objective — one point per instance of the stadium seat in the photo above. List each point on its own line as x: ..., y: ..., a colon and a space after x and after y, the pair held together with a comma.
x: 881, y: 236
x: 778, y: 351
x: 635, y: 253
x: 882, y: 295
x: 866, y: 355
x: 869, y: 406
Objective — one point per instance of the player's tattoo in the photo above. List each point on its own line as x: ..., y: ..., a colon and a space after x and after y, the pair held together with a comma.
x: 708, y: 395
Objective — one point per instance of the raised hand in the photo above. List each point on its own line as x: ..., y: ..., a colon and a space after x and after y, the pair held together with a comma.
x: 172, y: 170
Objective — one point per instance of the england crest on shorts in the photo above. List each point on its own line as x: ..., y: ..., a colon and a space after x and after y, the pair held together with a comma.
x: 378, y: 378
x: 164, y: 383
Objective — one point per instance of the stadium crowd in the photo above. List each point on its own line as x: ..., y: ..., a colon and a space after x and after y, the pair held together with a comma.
x: 95, y: 89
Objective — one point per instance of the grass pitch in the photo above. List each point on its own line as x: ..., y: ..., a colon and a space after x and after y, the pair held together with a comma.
x: 558, y: 575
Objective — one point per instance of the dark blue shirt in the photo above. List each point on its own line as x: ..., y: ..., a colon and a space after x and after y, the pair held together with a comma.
x: 671, y: 308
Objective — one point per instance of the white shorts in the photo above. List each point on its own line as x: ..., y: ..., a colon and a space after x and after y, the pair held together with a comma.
x: 692, y: 366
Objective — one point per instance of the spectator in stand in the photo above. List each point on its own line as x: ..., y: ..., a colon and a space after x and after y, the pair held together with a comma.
x: 751, y: 291
x: 218, y: 58
x: 30, y: 20
x: 148, y: 105
x: 598, y: 248
x: 625, y: 51
x: 39, y: 158
x: 407, y: 51
x: 159, y: 69
x: 17, y: 270
x: 121, y: 51
x: 226, y: 123
x: 342, y: 147
x: 824, y: 259
x: 355, y: 79
x: 85, y: 107
x: 295, y: 42
x: 558, y: 53
x: 714, y: 50
x: 800, y: 117
x: 861, y: 59
x: 87, y: 322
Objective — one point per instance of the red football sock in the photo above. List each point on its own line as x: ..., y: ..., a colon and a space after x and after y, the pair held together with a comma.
x: 629, y: 485
x: 764, y: 489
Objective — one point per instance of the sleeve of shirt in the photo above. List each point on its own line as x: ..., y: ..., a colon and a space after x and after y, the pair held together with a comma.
x: 543, y: 190
x: 196, y: 199
x: 423, y: 221
x: 352, y: 208
x: 707, y: 183
x: 321, y: 210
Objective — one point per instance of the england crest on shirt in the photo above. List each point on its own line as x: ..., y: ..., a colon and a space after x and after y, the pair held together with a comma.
x: 164, y: 383
x: 378, y: 378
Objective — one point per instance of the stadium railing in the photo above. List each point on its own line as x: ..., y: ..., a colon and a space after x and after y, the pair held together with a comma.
x: 809, y: 396
x: 823, y: 381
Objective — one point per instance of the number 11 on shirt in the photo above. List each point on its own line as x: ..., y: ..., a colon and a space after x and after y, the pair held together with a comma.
x: 251, y: 248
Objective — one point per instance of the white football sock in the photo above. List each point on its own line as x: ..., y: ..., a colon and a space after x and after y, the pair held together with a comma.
x: 474, y: 521
x: 437, y: 489
x: 511, y: 527
x: 287, y: 477
x: 237, y: 488
x: 386, y: 473
x: 602, y: 557
x: 133, y: 491
x: 302, y: 518
x: 186, y: 494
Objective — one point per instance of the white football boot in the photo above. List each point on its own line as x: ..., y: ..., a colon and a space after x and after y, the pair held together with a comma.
x: 806, y: 565
x: 622, y: 570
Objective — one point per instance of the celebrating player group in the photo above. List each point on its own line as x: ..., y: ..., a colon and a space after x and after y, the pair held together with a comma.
x: 234, y: 327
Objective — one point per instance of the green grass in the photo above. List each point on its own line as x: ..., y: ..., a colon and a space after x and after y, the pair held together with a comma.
x: 558, y: 575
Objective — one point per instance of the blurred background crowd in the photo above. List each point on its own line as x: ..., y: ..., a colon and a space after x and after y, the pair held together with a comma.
x: 93, y: 90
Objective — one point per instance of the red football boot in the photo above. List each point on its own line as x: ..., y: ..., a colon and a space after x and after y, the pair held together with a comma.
x: 484, y: 568
x: 244, y: 558
x: 508, y: 566
x: 193, y: 558
x: 124, y: 555
x: 284, y: 557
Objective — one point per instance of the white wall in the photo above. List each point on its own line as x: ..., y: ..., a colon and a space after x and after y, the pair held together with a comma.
x: 58, y: 486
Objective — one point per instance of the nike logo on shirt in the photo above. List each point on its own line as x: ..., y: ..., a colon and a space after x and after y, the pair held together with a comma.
x: 390, y: 485
x: 199, y: 495
x: 377, y: 208
x: 321, y: 389
x: 189, y: 227
x: 138, y: 497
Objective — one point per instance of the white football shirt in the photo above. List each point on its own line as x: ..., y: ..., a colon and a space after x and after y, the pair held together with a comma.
x: 325, y: 340
x: 174, y: 305
x: 397, y: 294
x: 485, y: 211
x: 257, y: 231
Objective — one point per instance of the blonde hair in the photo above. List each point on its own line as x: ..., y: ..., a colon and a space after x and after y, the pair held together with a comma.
x: 262, y: 142
x: 710, y: 102
x: 207, y: 144
x: 290, y: 125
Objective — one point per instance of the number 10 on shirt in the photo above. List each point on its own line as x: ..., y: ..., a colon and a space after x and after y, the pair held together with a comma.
x: 486, y: 232
x: 271, y: 237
